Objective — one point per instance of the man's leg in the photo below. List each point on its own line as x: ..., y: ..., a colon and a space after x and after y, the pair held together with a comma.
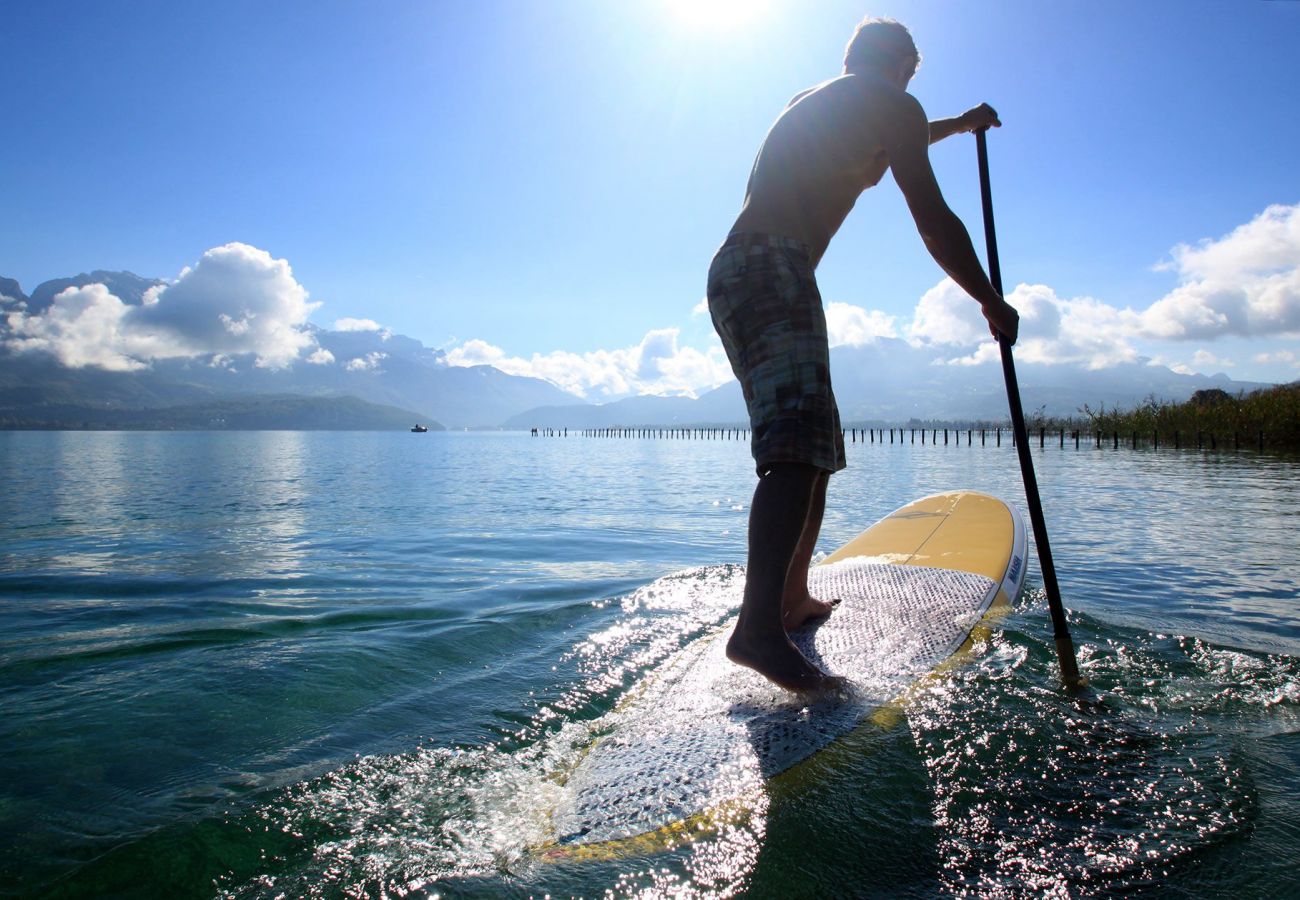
x: 778, y: 518
x: 797, y: 606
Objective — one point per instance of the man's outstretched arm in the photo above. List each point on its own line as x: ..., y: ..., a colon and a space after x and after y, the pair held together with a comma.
x: 943, y: 232
x: 982, y: 116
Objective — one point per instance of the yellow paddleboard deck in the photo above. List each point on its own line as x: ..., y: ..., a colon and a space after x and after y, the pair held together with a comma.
x: 701, y: 733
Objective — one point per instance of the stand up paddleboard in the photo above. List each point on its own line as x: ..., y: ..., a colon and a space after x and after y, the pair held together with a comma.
x: 703, y: 734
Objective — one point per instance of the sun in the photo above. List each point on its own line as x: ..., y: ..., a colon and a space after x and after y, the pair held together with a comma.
x: 715, y: 14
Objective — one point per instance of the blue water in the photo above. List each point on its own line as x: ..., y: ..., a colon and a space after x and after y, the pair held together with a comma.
x: 263, y: 664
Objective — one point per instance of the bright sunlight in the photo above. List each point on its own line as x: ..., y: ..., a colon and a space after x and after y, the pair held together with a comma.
x: 717, y: 14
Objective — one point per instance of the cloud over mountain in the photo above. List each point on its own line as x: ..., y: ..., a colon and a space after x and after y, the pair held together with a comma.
x: 1053, y: 329
x: 350, y: 324
x: 849, y: 325
x: 236, y: 300
x: 1245, y: 284
x: 657, y: 365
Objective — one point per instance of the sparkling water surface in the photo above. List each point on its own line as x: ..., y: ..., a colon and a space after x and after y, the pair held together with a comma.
x: 352, y: 664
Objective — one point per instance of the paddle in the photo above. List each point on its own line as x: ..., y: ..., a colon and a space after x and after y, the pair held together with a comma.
x: 1060, y: 628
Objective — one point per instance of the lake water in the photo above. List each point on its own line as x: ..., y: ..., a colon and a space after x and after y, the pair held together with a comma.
x: 346, y: 664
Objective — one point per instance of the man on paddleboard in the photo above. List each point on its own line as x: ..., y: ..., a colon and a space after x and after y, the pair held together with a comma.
x: 830, y: 144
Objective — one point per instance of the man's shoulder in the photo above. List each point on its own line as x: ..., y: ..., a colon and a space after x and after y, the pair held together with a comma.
x: 870, y: 93
x: 819, y: 89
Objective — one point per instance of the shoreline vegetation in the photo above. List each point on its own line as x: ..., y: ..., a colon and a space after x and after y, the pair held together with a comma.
x: 1269, y: 417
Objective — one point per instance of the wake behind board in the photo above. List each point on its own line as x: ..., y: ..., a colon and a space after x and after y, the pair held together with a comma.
x: 703, y: 733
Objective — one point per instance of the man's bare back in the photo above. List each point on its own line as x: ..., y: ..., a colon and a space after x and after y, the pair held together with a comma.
x: 818, y: 157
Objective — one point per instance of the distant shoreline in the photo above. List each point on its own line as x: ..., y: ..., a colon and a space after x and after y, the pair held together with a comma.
x: 1270, y: 416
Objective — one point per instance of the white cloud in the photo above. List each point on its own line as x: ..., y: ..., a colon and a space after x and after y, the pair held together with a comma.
x: 1281, y: 356
x: 1246, y: 283
x: 368, y: 363
x: 320, y: 357
x: 1053, y: 329
x: 235, y: 300
x: 347, y: 324
x: 657, y: 365
x: 854, y: 326
x: 83, y: 327
x: 1077, y: 330
x: 1268, y: 243
x: 475, y: 352
x: 945, y: 314
x: 1202, y: 361
x: 701, y: 308
x: 1205, y: 358
x: 985, y: 353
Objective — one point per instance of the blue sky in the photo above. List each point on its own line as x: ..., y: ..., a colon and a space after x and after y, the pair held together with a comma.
x: 540, y: 185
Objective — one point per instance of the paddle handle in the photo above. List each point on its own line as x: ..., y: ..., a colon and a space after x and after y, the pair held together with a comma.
x: 1060, y: 627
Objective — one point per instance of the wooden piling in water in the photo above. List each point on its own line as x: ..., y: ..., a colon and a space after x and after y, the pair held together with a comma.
x: 951, y: 436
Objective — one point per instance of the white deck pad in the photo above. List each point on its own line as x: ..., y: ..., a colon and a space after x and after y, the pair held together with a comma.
x: 704, y: 731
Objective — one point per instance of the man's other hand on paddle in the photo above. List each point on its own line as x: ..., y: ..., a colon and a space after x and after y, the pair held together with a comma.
x: 1003, y: 320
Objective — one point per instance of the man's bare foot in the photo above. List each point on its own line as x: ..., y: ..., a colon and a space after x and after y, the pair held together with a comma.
x: 795, y: 613
x: 779, y: 661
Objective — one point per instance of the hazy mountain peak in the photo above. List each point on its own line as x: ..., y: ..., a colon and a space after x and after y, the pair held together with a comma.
x: 126, y: 286
x: 11, y: 292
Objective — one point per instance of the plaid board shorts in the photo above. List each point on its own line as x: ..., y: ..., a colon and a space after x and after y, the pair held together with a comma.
x: 767, y: 310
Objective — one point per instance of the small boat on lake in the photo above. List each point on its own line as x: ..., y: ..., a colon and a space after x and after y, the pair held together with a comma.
x: 417, y: 428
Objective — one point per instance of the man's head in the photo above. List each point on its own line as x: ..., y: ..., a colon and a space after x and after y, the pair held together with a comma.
x: 883, y: 47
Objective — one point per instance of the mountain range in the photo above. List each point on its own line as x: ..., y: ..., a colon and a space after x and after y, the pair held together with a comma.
x: 887, y: 381
x: 400, y: 373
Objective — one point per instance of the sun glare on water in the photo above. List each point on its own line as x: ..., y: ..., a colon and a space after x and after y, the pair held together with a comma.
x: 716, y: 14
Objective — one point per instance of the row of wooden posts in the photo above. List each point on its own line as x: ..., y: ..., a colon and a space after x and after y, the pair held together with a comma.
x: 1095, y: 439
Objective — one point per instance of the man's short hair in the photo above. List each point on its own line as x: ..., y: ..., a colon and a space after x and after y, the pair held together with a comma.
x: 879, y: 44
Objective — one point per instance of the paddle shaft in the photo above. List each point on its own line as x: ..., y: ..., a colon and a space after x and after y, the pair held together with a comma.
x: 1060, y: 627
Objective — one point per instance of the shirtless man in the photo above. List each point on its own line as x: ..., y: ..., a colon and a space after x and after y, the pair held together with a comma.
x: 831, y: 143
